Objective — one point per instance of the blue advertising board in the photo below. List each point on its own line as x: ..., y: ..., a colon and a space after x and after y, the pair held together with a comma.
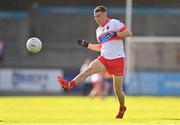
x: 153, y: 83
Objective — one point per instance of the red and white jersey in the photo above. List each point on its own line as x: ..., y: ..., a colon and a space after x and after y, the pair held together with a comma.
x: 112, y: 48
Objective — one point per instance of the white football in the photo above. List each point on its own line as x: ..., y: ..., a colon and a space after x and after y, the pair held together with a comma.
x: 34, y: 45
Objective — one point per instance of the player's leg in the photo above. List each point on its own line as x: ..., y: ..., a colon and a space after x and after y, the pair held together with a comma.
x: 94, y: 67
x: 117, y: 83
x: 118, y: 90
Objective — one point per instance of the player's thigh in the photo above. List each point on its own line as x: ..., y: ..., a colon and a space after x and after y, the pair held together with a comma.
x: 117, y: 82
x: 96, y: 66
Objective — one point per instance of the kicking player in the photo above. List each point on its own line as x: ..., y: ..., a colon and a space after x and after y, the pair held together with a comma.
x: 110, y: 35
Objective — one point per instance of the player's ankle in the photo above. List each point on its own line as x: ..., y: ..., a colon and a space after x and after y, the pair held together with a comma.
x: 122, y: 106
x: 72, y: 83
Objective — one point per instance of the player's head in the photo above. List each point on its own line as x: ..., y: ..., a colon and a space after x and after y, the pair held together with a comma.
x: 100, y: 14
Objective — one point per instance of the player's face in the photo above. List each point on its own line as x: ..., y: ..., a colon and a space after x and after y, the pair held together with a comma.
x: 100, y: 17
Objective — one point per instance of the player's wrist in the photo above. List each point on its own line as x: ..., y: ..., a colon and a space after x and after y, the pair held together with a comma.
x: 115, y: 33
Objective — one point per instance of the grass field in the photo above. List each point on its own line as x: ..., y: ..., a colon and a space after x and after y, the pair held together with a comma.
x: 70, y: 110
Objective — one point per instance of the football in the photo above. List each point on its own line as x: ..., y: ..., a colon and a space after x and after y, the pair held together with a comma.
x: 33, y: 45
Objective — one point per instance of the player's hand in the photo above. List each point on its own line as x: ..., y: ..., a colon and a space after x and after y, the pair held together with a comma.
x: 82, y: 43
x: 110, y: 35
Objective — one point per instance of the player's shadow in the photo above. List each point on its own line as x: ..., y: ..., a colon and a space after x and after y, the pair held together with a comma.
x: 170, y: 118
x: 1, y: 120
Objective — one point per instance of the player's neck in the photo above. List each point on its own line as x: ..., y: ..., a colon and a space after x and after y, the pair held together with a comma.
x: 105, y: 22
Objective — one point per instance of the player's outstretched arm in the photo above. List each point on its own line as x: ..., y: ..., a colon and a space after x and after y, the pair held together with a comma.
x: 95, y: 47
x: 84, y: 43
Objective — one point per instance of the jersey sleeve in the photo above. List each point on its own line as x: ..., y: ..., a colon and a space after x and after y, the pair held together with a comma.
x: 120, y: 25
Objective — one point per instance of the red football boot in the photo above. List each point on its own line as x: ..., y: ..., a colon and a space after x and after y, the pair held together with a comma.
x: 121, y: 112
x: 63, y: 83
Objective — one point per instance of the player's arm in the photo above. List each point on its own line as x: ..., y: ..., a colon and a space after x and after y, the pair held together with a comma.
x: 121, y: 33
x: 94, y: 47
x: 84, y: 43
x: 124, y: 33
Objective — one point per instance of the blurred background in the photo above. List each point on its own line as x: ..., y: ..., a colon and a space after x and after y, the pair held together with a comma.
x: 153, y: 54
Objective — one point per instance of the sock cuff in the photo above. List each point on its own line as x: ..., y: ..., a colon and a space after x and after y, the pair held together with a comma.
x: 72, y: 83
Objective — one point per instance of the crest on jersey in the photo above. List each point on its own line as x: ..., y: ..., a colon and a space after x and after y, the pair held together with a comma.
x: 107, y: 27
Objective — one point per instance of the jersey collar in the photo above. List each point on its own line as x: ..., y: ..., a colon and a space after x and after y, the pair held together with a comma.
x: 107, y: 20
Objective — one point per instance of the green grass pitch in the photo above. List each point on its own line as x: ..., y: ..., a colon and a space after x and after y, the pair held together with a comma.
x: 76, y: 110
